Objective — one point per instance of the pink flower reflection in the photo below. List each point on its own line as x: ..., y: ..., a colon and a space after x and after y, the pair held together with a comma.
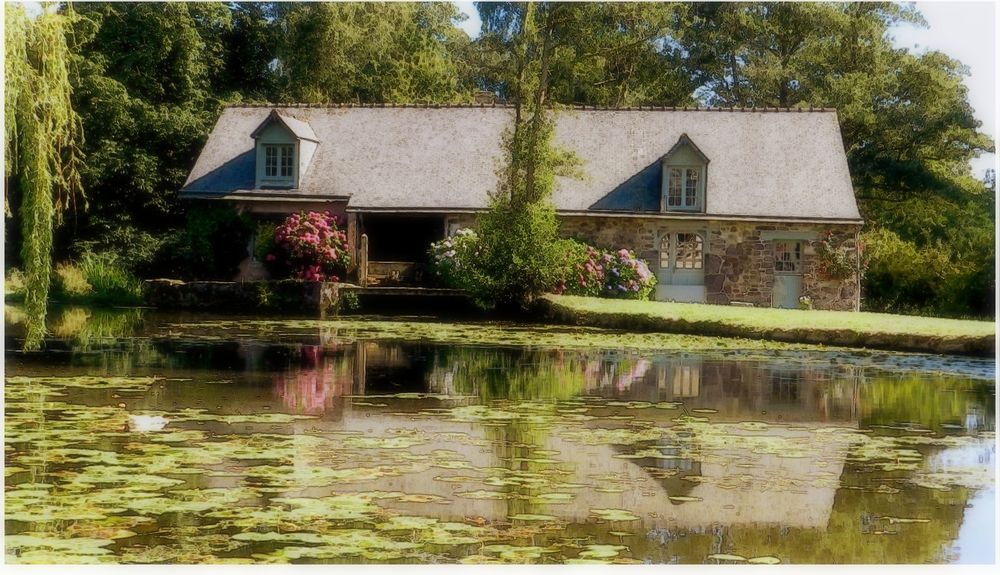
x: 313, y: 389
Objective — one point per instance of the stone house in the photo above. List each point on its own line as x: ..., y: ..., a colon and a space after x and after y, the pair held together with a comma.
x: 727, y: 206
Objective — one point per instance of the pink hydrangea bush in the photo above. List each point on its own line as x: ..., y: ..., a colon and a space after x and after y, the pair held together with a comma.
x: 581, y: 270
x: 588, y: 271
x: 309, y: 246
x: 626, y: 276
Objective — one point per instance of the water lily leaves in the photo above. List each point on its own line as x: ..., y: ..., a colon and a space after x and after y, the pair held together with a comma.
x: 667, y: 405
x: 533, y: 517
x: 727, y: 557
x: 42, y: 548
x: 85, y: 381
x: 479, y: 560
x: 343, y: 543
x: 515, y: 554
x: 334, y: 507
x: 554, y: 497
x: 483, y: 494
x: 383, y: 442
x: 601, y: 551
x: 406, y: 523
x: 614, y: 514
x: 255, y: 536
x: 231, y: 419
x: 767, y: 560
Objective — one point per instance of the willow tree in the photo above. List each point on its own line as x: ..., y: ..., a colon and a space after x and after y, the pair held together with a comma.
x: 42, y: 137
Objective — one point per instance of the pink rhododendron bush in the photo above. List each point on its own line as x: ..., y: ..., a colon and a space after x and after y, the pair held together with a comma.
x: 580, y: 269
x: 309, y: 246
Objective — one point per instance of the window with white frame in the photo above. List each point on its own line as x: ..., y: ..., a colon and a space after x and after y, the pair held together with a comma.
x: 684, y: 188
x: 689, y: 251
x: 279, y: 161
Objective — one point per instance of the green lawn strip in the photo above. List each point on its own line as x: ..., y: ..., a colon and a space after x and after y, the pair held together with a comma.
x: 849, y: 329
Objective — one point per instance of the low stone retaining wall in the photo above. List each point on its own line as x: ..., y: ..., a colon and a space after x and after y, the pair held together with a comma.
x: 302, y: 297
x: 280, y: 295
x: 972, y: 346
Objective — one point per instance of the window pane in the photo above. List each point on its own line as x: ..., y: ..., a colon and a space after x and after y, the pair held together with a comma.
x: 787, y: 256
x: 665, y: 252
x: 270, y: 161
x: 674, y: 188
x: 287, y: 160
x: 691, y: 187
x: 689, y: 252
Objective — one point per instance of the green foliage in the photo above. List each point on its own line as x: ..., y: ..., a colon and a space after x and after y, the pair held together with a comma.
x: 454, y: 261
x: 211, y: 245
x: 371, y: 52
x: 112, y: 283
x: 519, y: 256
x: 264, y: 243
x: 144, y: 88
x: 43, y: 132
x: 834, y: 262
x: 905, y: 278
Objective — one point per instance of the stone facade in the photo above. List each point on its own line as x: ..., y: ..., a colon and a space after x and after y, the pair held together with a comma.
x: 739, y: 255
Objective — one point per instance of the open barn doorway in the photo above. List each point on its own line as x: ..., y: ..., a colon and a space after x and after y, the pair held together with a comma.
x: 398, y: 244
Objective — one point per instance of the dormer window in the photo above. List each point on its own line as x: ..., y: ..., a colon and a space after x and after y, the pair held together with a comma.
x: 279, y: 161
x: 285, y: 147
x: 684, y: 173
x: 684, y: 188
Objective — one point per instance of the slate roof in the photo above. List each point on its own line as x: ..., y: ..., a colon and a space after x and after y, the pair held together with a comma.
x: 298, y: 128
x: 766, y: 164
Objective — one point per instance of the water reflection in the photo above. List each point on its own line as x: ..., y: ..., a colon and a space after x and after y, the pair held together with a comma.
x: 526, y: 454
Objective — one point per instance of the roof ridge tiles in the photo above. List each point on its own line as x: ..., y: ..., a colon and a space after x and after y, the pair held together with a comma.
x: 578, y: 107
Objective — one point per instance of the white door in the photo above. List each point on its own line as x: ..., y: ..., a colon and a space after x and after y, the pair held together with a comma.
x: 787, y: 274
x: 681, y: 271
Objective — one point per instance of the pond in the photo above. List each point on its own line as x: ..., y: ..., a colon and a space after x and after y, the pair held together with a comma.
x: 140, y: 437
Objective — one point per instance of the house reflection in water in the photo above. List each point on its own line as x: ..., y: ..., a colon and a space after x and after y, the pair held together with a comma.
x: 774, y: 489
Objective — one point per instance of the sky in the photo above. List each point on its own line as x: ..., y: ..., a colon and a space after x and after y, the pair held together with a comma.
x: 965, y: 31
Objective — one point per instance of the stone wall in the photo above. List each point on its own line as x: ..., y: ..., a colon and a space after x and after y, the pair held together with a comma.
x: 739, y: 256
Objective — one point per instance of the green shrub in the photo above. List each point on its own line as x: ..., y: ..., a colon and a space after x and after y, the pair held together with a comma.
x: 264, y: 243
x: 112, y: 283
x: 519, y: 257
x: 453, y: 260
x: 134, y: 249
x: 211, y: 246
x: 70, y: 281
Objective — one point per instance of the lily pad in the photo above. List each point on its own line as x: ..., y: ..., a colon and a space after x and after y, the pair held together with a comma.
x: 615, y: 514
x: 767, y: 560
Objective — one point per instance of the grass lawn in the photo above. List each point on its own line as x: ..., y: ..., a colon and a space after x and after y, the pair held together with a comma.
x: 866, y: 329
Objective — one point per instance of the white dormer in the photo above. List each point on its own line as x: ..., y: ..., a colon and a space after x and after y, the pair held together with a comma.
x: 284, y: 147
x: 685, y: 170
